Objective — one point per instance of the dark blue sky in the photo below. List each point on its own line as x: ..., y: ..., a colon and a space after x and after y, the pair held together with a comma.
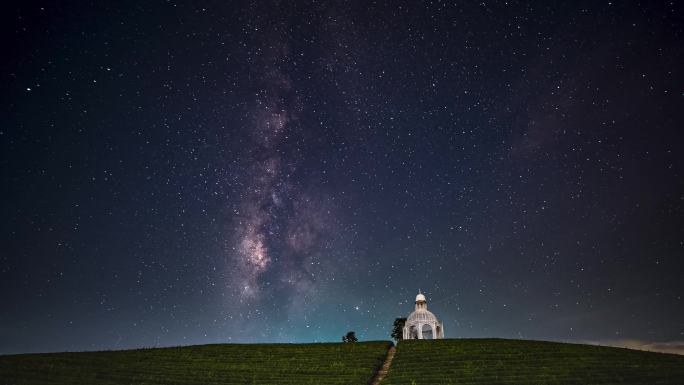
x: 178, y: 173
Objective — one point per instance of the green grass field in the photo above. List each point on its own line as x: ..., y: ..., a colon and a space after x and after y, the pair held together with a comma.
x: 329, y: 363
x: 498, y: 361
x: 435, y: 362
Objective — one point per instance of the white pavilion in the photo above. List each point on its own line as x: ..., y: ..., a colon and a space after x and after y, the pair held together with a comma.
x: 422, y: 324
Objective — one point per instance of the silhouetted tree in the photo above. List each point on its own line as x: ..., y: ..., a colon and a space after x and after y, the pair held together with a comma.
x: 398, y: 329
x: 350, y: 337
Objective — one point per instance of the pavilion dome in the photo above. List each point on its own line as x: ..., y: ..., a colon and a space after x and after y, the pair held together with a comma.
x: 422, y: 316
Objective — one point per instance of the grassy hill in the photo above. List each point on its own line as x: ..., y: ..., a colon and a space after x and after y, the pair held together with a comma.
x: 498, y: 361
x: 435, y: 362
x: 329, y: 363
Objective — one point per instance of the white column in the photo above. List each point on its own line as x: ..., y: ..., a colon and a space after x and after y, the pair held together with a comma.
x: 420, y: 331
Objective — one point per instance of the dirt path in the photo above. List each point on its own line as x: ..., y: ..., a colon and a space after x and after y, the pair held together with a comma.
x: 385, y: 366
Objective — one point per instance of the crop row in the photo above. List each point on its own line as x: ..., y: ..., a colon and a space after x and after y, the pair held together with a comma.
x: 496, y: 361
x: 208, y: 364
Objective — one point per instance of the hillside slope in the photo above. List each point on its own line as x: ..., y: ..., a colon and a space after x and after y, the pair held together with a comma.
x: 329, y: 363
x: 498, y: 361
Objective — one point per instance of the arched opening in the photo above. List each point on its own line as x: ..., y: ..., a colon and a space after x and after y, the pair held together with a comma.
x: 427, y: 332
x: 413, y: 332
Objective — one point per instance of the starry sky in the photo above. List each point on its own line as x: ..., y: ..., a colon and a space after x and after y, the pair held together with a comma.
x: 178, y: 173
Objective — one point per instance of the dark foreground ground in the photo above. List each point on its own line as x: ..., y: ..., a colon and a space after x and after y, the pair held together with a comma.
x: 456, y: 361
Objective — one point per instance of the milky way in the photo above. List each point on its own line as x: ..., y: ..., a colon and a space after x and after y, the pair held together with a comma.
x: 278, y: 223
x: 263, y: 198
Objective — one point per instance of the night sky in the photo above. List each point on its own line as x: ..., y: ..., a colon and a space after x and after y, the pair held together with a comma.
x: 186, y: 173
